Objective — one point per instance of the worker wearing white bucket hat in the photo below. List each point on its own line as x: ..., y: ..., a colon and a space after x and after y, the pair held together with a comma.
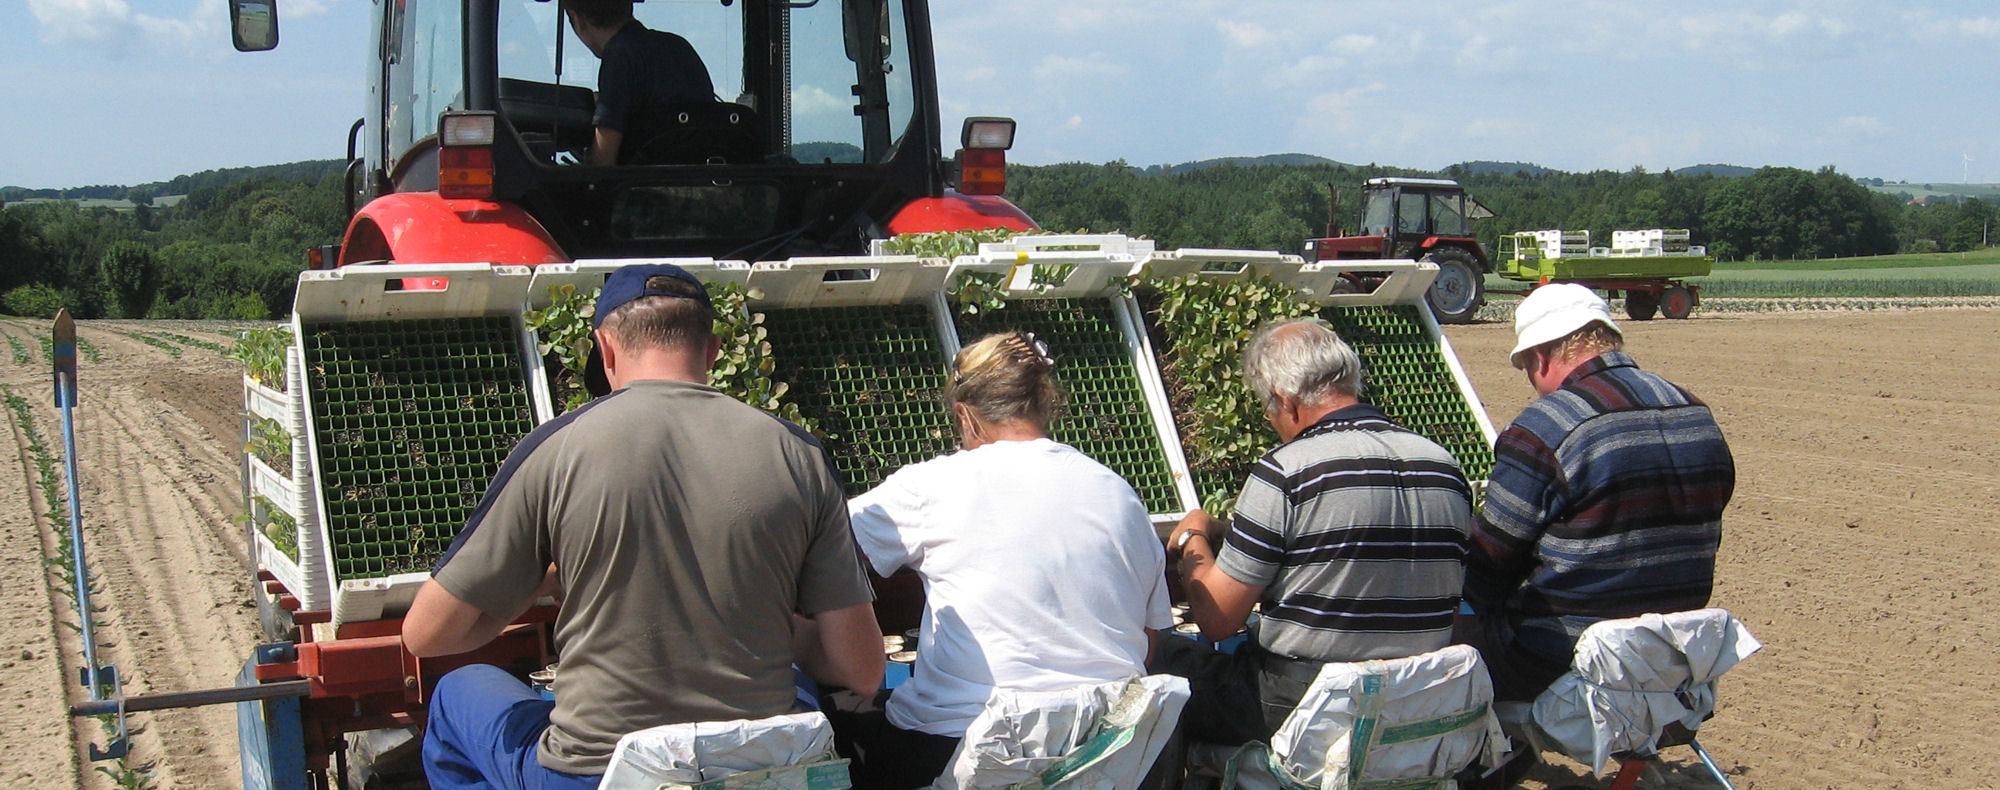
x: 1554, y: 311
x: 1605, y: 499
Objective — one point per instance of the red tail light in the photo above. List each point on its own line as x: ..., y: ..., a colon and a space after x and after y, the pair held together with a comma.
x: 465, y: 155
x: 982, y: 171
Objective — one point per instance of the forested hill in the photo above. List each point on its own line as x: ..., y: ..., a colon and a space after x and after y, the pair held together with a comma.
x: 306, y: 172
x: 1768, y: 213
x: 234, y: 246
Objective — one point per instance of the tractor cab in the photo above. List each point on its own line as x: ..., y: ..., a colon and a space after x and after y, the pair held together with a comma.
x: 820, y: 134
x: 1408, y: 211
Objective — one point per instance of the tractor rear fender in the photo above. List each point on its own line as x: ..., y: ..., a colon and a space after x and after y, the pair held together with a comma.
x: 1470, y: 245
x: 956, y: 211
x: 421, y: 227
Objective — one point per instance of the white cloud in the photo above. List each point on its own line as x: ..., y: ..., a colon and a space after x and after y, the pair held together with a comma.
x: 1074, y: 122
x: 1243, y: 34
x: 114, y: 27
x: 1342, y: 110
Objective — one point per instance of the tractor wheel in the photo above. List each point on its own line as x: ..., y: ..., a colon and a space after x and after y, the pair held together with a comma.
x: 1641, y: 305
x: 1460, y: 288
x: 1676, y: 302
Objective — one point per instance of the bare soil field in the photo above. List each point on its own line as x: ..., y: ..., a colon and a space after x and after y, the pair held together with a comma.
x: 1860, y: 547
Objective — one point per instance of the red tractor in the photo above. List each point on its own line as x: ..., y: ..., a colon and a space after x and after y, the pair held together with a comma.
x: 1421, y: 219
x: 823, y: 135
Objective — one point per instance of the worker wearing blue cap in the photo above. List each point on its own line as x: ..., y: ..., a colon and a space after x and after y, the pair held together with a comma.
x: 701, y: 548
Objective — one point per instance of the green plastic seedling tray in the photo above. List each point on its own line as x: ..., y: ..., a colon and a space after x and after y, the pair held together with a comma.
x: 871, y: 378
x: 1109, y: 417
x: 1409, y: 380
x: 412, y: 418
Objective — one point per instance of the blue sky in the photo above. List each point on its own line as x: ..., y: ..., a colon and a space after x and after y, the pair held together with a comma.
x: 129, y: 91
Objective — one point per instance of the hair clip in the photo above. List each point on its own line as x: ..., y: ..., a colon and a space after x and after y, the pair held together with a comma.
x: 1038, y: 348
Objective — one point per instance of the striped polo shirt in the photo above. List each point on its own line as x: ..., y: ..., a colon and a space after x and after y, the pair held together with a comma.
x: 1605, y: 501
x: 1356, y: 532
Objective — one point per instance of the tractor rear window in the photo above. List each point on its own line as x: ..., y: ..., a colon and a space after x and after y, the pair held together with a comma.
x: 801, y: 89
x: 657, y: 213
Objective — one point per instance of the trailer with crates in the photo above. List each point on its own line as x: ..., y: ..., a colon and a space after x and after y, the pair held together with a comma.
x: 1649, y: 268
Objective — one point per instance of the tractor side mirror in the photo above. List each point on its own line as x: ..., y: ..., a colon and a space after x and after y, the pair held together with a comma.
x: 866, y: 23
x: 254, y: 24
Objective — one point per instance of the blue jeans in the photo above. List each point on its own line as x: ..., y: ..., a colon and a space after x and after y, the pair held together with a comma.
x: 484, y: 725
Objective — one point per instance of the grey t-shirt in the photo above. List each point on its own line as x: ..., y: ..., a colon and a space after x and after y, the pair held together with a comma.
x: 687, y: 527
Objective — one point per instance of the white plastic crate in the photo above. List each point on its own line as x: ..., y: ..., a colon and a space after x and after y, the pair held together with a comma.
x: 589, y: 274
x: 1220, y: 264
x: 846, y: 281
x: 1406, y: 282
x: 370, y: 293
x: 303, y: 576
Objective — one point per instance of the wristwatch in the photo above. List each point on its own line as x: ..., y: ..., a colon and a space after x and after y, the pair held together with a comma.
x: 1181, y: 545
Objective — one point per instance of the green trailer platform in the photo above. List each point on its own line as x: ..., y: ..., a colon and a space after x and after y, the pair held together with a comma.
x: 1650, y: 281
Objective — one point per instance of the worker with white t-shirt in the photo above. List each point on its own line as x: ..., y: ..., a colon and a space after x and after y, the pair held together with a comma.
x: 1040, y: 566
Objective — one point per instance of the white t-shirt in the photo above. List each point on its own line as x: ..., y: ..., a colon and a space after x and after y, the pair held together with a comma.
x: 1041, y: 572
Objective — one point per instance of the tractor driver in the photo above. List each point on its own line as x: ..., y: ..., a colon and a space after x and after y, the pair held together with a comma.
x: 702, y: 548
x: 642, y: 70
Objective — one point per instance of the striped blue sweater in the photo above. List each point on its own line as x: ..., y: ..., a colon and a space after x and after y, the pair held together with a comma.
x: 1605, y: 501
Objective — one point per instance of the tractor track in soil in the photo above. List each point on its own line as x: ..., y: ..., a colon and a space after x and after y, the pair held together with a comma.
x: 1860, y: 546
x: 159, y: 505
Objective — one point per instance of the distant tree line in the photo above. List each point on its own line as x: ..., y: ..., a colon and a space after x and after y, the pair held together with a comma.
x: 232, y: 249
x: 1774, y: 213
x: 234, y: 246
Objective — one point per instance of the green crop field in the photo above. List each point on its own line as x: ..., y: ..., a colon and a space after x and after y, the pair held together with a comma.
x: 1974, y: 273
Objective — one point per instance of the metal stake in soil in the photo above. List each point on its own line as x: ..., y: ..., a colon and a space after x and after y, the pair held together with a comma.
x: 96, y: 678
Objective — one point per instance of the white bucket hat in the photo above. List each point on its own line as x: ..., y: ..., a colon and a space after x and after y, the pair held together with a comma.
x: 1553, y: 311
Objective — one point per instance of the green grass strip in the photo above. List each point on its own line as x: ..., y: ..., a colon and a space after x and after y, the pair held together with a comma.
x: 87, y: 348
x: 22, y: 355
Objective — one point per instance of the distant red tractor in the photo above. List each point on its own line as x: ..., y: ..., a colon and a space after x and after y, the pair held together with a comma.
x: 1421, y: 219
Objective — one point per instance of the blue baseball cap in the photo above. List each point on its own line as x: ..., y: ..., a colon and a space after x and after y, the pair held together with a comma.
x: 624, y: 285
x: 629, y: 283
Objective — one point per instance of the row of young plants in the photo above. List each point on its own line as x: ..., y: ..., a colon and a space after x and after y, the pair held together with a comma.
x: 171, y: 349
x: 261, y: 352
x: 174, y: 337
x: 123, y: 772
x: 22, y: 355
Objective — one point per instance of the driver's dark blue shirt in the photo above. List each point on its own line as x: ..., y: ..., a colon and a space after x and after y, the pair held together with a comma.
x: 644, y: 69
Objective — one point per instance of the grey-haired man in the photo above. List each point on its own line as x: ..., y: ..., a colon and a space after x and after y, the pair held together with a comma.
x: 1351, y: 534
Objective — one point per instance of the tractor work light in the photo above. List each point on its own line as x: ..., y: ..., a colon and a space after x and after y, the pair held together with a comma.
x: 982, y: 156
x: 987, y: 133
x: 465, y: 155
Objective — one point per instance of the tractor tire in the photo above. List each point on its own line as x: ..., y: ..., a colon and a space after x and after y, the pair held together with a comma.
x: 1641, y: 305
x: 1676, y: 302
x: 1460, y: 289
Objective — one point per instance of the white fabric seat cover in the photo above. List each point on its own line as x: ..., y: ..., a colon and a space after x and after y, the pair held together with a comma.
x: 1633, y: 677
x: 1398, y: 723
x: 790, y: 752
x: 1103, y: 736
